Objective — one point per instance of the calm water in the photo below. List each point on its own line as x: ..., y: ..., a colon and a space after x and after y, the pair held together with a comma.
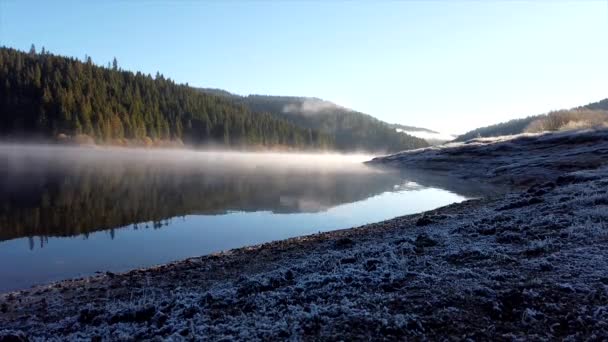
x: 68, y: 212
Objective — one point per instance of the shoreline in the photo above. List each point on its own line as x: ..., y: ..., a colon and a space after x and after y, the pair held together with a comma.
x: 526, y: 264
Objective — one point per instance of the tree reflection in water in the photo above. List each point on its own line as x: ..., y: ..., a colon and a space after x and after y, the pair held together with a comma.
x: 58, y: 192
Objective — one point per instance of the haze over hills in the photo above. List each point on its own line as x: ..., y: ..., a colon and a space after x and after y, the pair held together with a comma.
x: 50, y: 96
x: 412, y: 128
x: 430, y: 136
x: 348, y: 128
x: 590, y: 115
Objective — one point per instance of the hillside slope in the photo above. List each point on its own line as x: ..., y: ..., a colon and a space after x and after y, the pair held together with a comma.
x: 560, y: 119
x: 350, y: 130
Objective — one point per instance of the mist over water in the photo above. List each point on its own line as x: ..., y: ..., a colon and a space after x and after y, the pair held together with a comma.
x: 72, y: 211
x: 209, y: 160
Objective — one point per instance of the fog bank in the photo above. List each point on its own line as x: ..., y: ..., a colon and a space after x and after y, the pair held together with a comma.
x: 219, y: 160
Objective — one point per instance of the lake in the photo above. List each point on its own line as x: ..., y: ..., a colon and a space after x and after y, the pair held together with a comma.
x: 72, y: 211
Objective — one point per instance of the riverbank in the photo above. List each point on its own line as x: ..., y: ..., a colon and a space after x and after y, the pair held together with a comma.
x: 516, y: 161
x: 531, y: 264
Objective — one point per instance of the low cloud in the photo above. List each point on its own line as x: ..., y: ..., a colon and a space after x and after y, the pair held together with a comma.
x: 311, y: 106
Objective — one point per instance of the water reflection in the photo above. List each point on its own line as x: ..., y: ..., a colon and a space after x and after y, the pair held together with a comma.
x: 68, y: 212
x: 58, y: 192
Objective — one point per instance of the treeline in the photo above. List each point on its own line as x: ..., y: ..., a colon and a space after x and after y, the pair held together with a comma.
x: 350, y: 130
x: 600, y: 105
x: 588, y: 116
x: 45, y: 95
x: 511, y: 127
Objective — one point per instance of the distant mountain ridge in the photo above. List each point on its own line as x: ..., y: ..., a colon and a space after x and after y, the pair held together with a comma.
x: 349, y: 129
x: 595, y: 113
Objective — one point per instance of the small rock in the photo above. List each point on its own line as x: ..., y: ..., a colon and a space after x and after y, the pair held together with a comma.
x: 424, y: 240
x: 546, y: 266
x: 145, y: 314
x: 248, y: 287
x: 509, y: 237
x: 424, y: 221
x: 189, y: 312
x: 371, y: 264
x: 487, y: 231
x: 13, y: 336
x: 349, y: 260
x: 510, y: 303
x: 141, y: 315
x: 86, y: 316
x: 344, y: 243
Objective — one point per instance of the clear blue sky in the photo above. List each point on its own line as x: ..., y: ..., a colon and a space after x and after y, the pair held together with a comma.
x: 444, y: 65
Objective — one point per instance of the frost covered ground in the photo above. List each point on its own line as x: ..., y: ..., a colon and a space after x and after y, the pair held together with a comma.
x: 521, y: 160
x: 528, y: 265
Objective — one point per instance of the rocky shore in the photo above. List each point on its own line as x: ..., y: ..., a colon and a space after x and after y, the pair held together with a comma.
x: 528, y: 265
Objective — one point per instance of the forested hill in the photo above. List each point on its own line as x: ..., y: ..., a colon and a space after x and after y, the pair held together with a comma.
x: 511, y: 127
x: 600, y: 105
x: 593, y: 114
x: 350, y: 130
x: 45, y: 95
